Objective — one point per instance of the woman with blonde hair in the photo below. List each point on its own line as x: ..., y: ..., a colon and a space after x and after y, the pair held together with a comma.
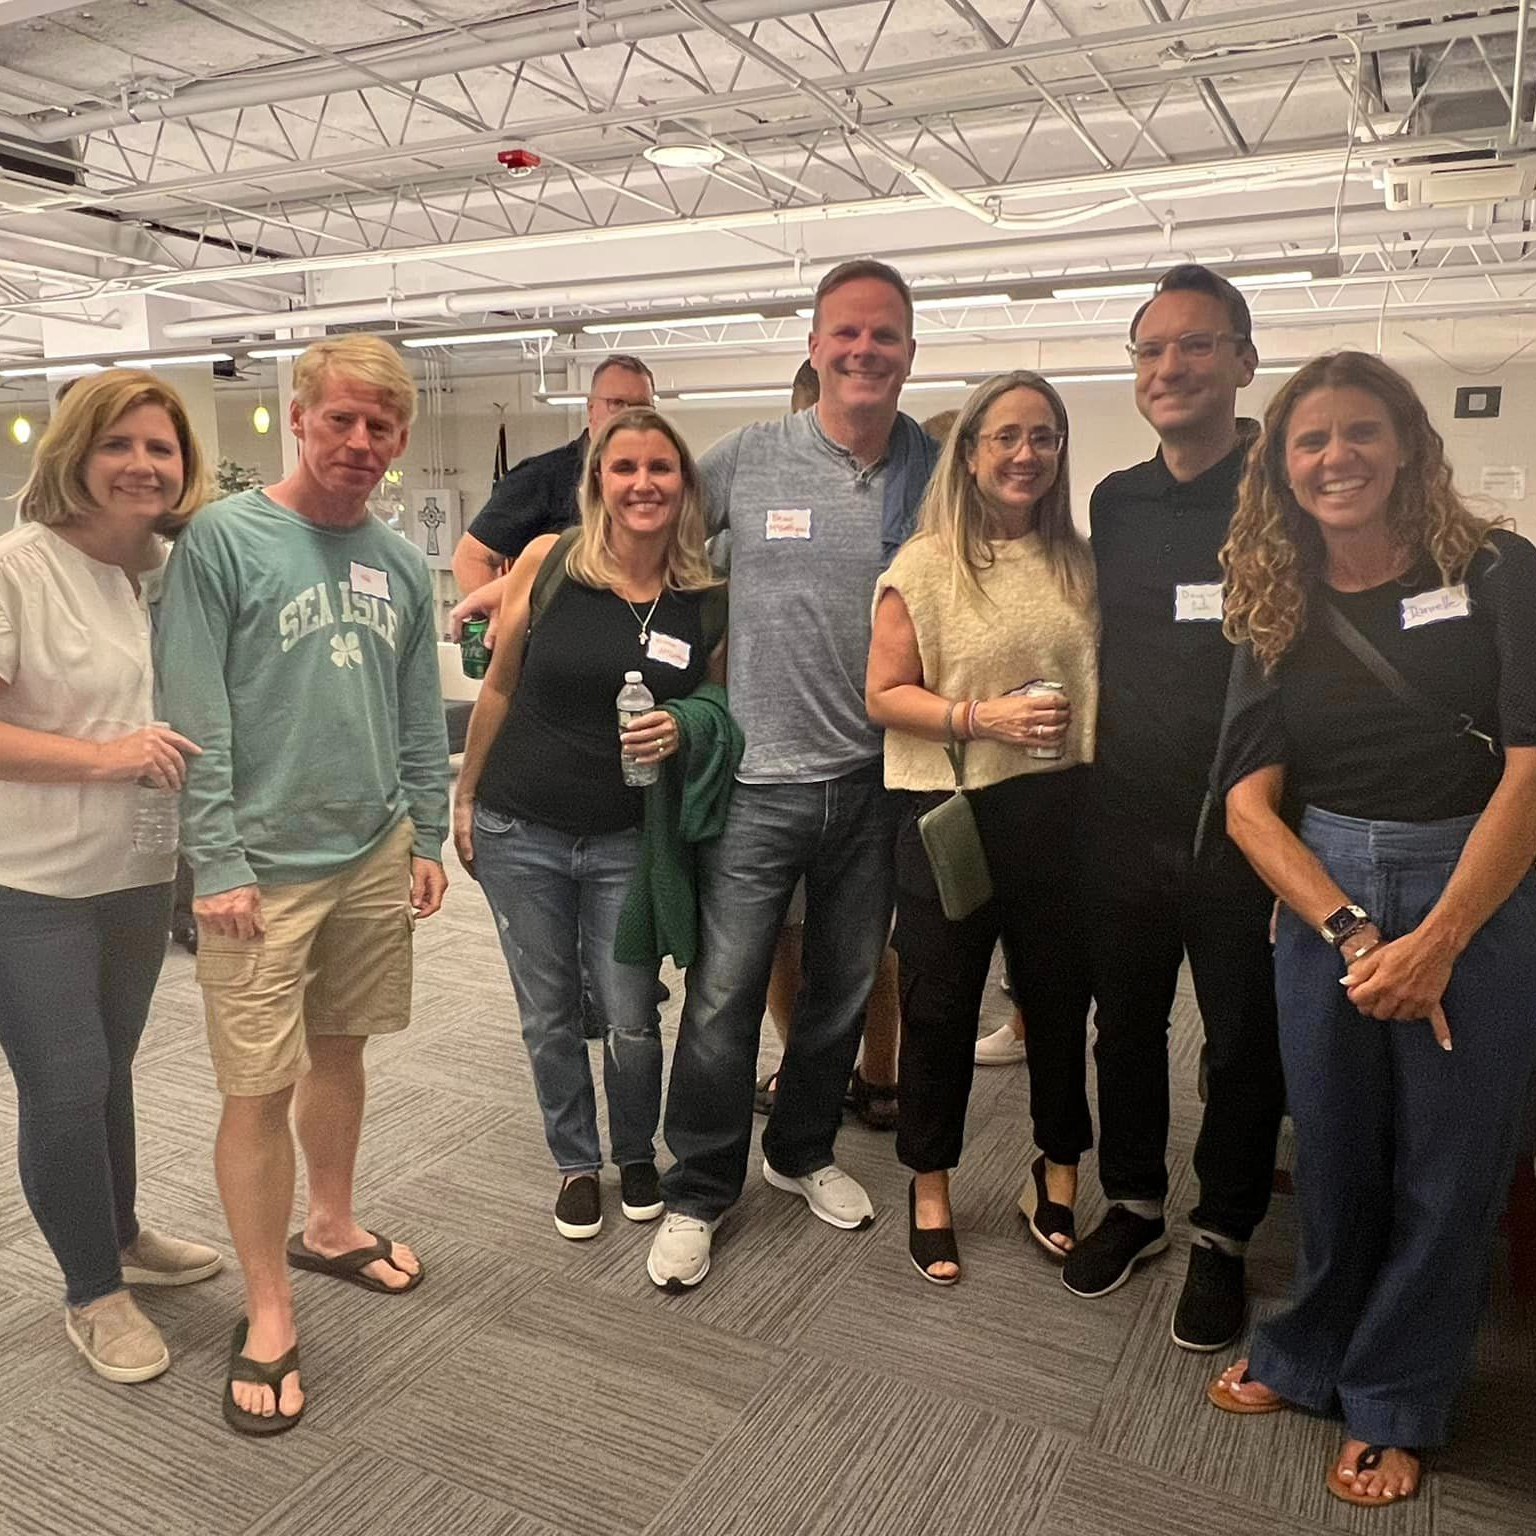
x: 543, y: 818
x: 1385, y: 683
x: 994, y: 593
x: 84, y: 909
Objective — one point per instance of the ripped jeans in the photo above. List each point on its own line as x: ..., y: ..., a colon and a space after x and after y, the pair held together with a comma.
x: 556, y: 900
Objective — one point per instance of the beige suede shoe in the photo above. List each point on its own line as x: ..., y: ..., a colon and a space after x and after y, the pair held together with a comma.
x: 117, y: 1340
x: 153, y: 1259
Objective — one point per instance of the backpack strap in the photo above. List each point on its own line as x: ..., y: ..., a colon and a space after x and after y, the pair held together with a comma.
x: 551, y: 575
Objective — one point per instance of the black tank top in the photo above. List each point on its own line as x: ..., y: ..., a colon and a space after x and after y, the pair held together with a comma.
x: 556, y: 757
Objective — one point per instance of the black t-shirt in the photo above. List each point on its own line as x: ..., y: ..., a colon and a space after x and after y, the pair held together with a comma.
x: 1163, y: 661
x: 534, y: 497
x: 556, y: 758
x: 1352, y: 747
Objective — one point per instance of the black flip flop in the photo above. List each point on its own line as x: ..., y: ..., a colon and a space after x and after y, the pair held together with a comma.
x: 1046, y: 1218
x: 265, y: 1373
x: 350, y: 1266
x: 763, y: 1093
x: 1367, y: 1461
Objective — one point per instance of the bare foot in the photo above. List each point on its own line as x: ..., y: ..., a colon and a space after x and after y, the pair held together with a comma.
x: 264, y: 1343
x: 933, y: 1212
x: 1394, y: 1476
x: 1252, y: 1396
x: 397, y: 1271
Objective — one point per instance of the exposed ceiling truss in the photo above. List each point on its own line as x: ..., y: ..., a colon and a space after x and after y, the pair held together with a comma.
x: 276, y: 166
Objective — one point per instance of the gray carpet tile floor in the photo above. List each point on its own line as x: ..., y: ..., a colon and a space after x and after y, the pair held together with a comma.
x: 813, y: 1386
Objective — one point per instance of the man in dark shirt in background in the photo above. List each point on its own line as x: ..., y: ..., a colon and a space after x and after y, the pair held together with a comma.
x: 1156, y: 530
x: 539, y: 495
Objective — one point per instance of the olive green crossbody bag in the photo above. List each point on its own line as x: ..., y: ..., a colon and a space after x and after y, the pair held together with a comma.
x: 953, y: 845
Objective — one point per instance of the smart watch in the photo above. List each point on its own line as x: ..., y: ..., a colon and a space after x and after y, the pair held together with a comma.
x: 1342, y: 922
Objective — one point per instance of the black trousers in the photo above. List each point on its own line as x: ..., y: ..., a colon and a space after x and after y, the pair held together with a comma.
x: 1028, y: 829
x: 1148, y: 906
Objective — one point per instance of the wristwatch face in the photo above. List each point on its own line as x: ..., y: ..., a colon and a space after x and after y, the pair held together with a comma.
x: 1342, y: 922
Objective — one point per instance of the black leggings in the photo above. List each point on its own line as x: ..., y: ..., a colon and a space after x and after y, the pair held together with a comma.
x: 1028, y: 828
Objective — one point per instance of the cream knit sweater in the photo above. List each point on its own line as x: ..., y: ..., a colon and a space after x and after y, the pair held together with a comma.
x: 1022, y: 628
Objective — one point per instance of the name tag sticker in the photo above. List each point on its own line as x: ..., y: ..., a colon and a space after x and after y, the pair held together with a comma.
x: 368, y: 581
x: 789, y: 523
x: 1432, y: 607
x: 668, y: 648
x: 1197, y: 600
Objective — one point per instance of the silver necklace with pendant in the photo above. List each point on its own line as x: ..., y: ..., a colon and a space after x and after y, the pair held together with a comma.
x: 645, y: 623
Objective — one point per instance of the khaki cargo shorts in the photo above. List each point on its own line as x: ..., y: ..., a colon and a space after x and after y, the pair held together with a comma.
x: 335, y: 960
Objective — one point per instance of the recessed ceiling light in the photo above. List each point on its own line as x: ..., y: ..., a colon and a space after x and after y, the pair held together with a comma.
x: 684, y: 152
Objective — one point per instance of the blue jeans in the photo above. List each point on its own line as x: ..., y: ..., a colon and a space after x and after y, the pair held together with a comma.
x: 76, y: 979
x: 1403, y: 1151
x: 556, y: 900
x: 840, y: 835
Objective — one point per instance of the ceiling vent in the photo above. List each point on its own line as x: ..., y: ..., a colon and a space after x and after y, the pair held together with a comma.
x: 1440, y: 181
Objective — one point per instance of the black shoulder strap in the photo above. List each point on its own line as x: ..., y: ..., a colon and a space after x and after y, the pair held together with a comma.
x: 551, y: 575
x: 1394, y: 681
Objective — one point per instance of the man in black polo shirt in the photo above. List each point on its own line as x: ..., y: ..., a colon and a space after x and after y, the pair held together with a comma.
x: 1156, y: 531
x: 539, y: 495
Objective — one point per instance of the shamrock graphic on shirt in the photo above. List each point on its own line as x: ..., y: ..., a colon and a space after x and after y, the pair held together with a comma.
x: 346, y: 650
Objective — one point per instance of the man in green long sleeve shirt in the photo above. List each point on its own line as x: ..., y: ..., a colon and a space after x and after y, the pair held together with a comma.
x: 296, y: 637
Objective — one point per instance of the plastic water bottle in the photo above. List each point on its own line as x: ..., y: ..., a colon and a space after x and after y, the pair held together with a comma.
x: 156, y: 816
x: 635, y: 700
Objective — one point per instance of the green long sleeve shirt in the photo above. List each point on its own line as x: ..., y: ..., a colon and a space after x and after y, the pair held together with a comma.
x: 303, y: 661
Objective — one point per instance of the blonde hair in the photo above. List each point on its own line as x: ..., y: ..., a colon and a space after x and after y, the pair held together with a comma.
x: 592, y: 560
x: 367, y: 360
x: 1274, y: 553
x: 954, y: 512
x: 55, y: 492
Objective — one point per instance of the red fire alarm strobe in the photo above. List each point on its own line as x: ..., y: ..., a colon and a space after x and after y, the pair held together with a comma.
x: 518, y: 162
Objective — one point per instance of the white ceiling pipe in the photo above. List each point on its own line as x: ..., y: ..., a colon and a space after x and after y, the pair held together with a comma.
x: 529, y: 38
x: 1123, y: 248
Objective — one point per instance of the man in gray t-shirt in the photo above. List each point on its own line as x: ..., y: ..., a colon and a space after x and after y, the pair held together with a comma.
x: 815, y: 504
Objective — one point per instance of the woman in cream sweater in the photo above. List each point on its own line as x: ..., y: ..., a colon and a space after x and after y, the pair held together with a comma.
x: 994, y: 591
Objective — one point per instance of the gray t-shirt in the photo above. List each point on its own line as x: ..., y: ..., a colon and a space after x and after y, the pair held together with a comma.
x: 805, y: 541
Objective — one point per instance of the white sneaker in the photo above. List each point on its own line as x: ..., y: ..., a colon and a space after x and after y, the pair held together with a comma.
x: 679, y: 1256
x: 833, y: 1195
x: 999, y: 1049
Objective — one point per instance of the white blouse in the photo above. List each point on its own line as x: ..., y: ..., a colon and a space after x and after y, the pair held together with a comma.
x: 75, y: 659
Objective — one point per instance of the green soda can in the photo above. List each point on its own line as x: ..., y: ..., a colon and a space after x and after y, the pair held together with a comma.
x: 474, y: 654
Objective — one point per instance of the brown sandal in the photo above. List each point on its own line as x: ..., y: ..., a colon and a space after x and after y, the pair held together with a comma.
x: 350, y: 1266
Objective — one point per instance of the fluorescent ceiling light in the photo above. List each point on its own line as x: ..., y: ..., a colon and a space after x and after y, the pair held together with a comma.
x: 1270, y: 279
x: 671, y: 323
x: 1121, y: 290
x: 479, y: 338
x: 934, y: 384
x: 805, y: 314
x: 733, y: 394
x: 168, y: 361
x: 683, y: 152
x: 1069, y: 377
x: 957, y: 301
x: 61, y: 371
x: 270, y: 352
x: 565, y: 399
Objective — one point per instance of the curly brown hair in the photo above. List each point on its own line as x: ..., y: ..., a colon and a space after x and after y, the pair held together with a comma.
x: 1274, y: 553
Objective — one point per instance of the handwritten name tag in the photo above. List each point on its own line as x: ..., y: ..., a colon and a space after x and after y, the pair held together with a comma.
x: 368, y: 581
x: 1196, y: 600
x: 669, y: 649
x: 1432, y: 607
x: 789, y: 523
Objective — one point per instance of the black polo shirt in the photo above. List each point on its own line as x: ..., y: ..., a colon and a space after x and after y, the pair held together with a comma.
x: 1163, y: 661
x: 534, y: 497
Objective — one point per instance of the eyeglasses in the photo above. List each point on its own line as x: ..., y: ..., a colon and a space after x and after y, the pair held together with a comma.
x: 617, y: 403
x: 1043, y: 441
x: 1192, y: 344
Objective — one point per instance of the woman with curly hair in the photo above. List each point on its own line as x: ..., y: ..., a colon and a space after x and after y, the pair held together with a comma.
x: 1386, y: 682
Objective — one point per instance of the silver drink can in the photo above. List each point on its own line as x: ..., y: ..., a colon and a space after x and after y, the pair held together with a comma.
x: 1033, y: 691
